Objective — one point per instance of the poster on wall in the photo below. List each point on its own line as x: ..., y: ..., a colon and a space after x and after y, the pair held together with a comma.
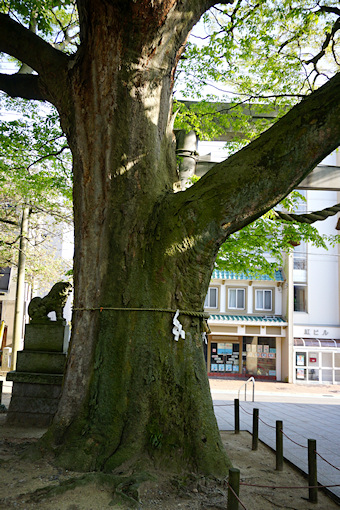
x: 300, y: 373
x: 214, y: 367
x: 300, y: 360
x: 228, y: 368
x: 224, y: 349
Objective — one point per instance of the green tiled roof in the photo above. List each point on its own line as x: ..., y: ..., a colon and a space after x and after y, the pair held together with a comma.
x: 246, y: 318
x: 230, y: 275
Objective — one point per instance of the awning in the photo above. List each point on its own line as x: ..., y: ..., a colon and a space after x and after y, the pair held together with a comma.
x: 319, y: 343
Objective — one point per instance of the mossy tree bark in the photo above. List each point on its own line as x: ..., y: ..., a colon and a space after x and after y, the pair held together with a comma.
x: 132, y: 394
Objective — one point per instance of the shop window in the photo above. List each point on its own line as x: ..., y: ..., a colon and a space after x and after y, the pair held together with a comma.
x: 259, y: 356
x: 5, y: 273
x: 327, y: 359
x: 300, y: 298
x: 313, y: 374
x: 211, y: 300
x: 327, y: 376
x: 236, y: 299
x: 263, y: 300
x: 224, y: 357
x: 313, y: 359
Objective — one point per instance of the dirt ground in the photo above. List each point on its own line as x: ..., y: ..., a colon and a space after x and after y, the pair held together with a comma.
x: 38, y: 485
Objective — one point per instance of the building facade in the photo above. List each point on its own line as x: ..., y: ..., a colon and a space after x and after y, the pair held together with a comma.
x: 247, y: 325
x: 316, y: 314
x: 286, y: 328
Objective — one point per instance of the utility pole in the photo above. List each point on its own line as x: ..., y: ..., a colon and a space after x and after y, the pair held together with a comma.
x: 20, y: 292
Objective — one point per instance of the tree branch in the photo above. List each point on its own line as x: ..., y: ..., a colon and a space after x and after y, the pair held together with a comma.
x: 27, y: 86
x: 328, y: 39
x: 9, y: 222
x: 26, y: 46
x: 47, y: 156
x: 240, y: 189
x: 23, y: 44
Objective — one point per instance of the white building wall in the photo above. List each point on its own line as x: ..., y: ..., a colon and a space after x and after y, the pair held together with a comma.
x: 322, y: 269
x: 278, y: 300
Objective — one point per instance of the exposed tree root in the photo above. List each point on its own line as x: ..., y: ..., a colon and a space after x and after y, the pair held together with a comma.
x: 125, y: 489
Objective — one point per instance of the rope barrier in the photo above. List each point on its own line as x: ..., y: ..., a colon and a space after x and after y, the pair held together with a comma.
x: 236, y: 496
x: 338, y: 469
x: 309, y: 487
x: 289, y: 487
x: 191, y: 313
x: 247, y: 412
x: 302, y: 446
x: 267, y: 424
x: 298, y: 444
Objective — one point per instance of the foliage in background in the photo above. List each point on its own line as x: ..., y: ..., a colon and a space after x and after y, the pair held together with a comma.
x: 35, y: 171
x: 260, y: 247
x: 255, y: 58
x: 238, y: 94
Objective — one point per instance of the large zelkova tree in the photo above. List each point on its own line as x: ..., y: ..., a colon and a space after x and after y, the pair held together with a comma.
x: 132, y: 394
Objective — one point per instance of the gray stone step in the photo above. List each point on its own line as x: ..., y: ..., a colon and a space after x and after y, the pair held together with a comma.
x: 46, y: 337
x: 41, y: 362
x: 35, y: 378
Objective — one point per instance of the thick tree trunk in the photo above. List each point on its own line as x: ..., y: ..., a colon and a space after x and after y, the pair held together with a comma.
x: 132, y: 393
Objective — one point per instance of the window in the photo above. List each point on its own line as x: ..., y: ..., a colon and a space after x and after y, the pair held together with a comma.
x: 300, y: 257
x: 263, y: 300
x: 211, y: 301
x: 300, y: 298
x: 5, y: 273
x: 236, y: 299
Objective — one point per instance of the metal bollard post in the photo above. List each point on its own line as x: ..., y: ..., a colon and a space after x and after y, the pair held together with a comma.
x: 255, y: 440
x: 1, y: 384
x: 237, y: 415
x: 279, y: 446
x: 234, y: 483
x: 312, y: 471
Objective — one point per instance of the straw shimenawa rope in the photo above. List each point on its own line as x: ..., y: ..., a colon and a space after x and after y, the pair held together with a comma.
x: 191, y: 313
x: 309, y: 217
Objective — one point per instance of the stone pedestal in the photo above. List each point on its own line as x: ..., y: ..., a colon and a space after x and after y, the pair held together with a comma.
x: 38, y: 378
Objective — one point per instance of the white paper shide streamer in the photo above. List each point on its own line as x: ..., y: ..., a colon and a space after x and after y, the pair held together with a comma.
x: 177, y: 330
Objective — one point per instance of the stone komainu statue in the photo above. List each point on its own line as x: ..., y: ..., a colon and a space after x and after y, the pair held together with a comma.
x: 39, y: 308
